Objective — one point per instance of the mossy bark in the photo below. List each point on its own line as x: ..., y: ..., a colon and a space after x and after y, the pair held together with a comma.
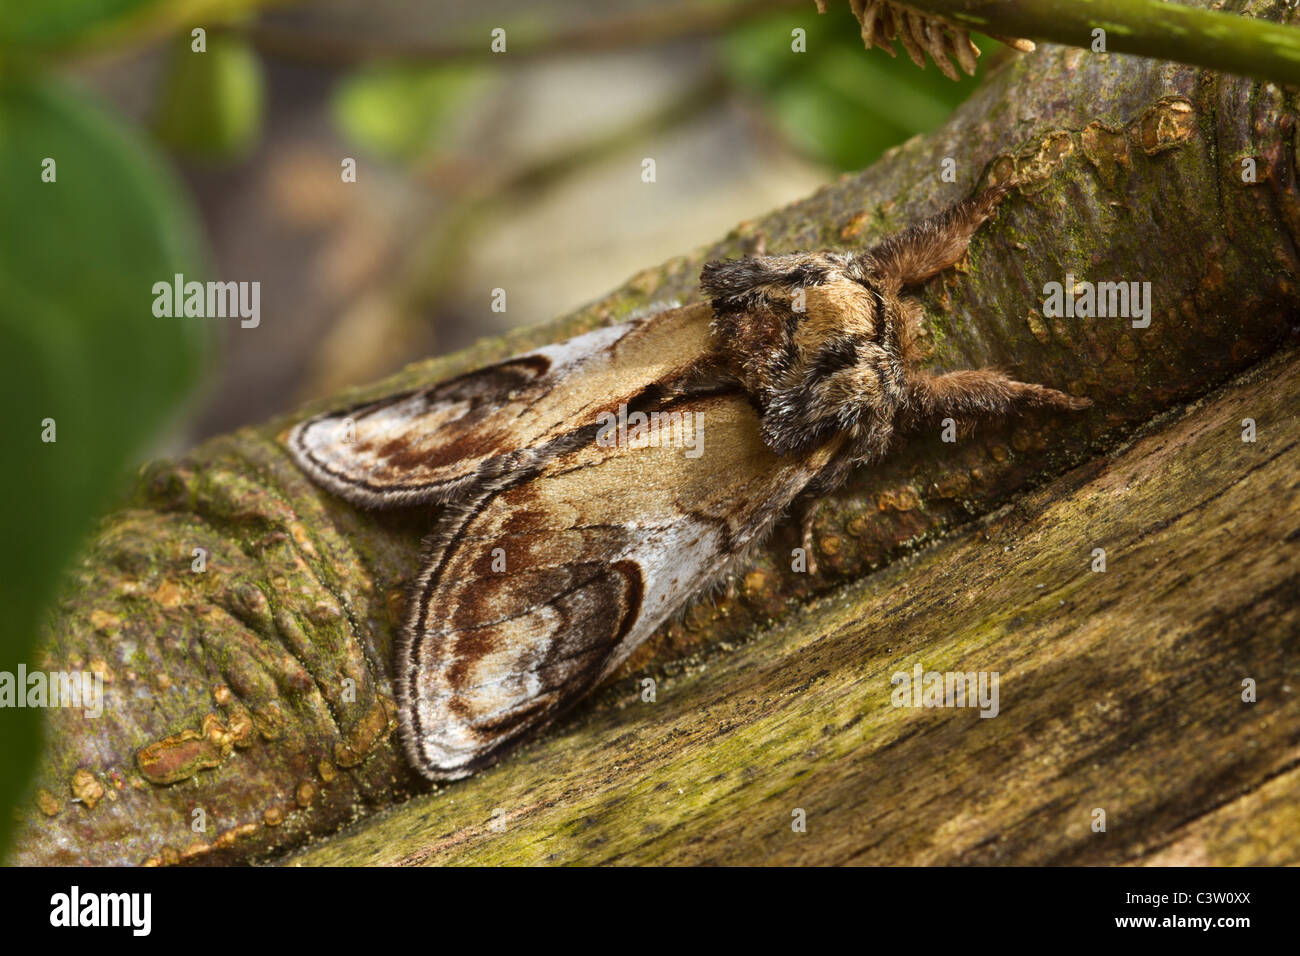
x: 1119, y: 691
x: 257, y: 691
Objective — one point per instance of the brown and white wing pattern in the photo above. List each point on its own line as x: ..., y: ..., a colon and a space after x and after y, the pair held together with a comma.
x: 537, y: 590
x: 562, y: 551
x: 442, y: 442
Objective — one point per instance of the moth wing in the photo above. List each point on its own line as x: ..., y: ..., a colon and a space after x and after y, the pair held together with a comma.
x: 439, y: 443
x: 539, y: 589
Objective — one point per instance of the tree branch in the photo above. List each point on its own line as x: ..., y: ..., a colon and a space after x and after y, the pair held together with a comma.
x: 1185, y: 33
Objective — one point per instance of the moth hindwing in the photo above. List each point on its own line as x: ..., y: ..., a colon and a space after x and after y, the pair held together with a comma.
x: 594, y: 486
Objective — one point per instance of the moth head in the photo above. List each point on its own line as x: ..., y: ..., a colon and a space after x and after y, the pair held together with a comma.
x: 816, y: 340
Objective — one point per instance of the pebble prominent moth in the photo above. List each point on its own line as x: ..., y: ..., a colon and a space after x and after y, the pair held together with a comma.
x: 560, y: 551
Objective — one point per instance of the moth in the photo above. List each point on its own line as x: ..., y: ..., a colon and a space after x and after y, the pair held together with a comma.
x: 567, y: 539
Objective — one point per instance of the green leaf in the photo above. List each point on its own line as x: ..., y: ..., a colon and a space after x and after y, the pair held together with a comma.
x: 78, y: 260
x: 401, y: 112
x: 46, y: 23
x: 211, y: 104
x: 837, y: 103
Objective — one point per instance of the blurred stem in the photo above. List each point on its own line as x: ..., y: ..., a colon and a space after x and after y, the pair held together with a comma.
x: 1165, y: 31
x: 441, y: 255
x: 660, y: 24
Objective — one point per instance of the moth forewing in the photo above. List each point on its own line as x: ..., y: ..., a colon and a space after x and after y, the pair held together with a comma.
x: 443, y: 442
x: 601, y: 545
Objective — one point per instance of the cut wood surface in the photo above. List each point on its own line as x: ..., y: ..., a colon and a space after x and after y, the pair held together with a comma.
x: 1120, y: 691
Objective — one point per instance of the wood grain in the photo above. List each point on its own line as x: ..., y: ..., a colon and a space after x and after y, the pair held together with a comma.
x: 1119, y: 690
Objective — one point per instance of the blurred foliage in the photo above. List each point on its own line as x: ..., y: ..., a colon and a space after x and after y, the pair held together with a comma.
x: 47, y: 23
x: 833, y: 103
x: 44, y: 26
x: 400, y: 112
x: 85, y: 239
x: 210, y: 105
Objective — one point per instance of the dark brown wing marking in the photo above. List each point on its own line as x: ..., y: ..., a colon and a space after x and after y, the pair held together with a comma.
x: 601, y: 546
x: 456, y: 438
